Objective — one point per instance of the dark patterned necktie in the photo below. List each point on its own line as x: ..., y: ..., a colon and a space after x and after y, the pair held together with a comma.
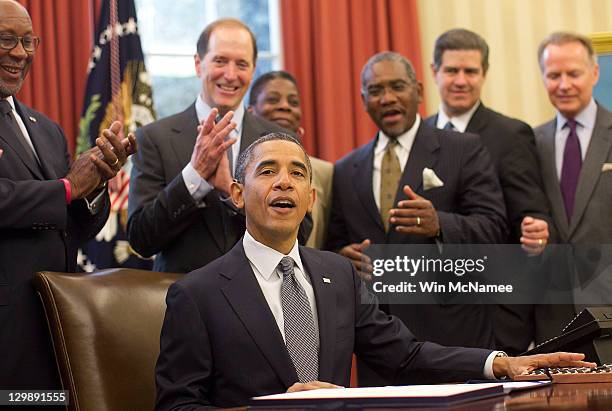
x: 301, y: 336
x: 7, y: 116
x: 570, y: 170
x: 449, y: 126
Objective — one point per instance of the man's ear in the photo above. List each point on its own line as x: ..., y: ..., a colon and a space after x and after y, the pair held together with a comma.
x: 312, y: 199
x: 434, y: 70
x: 237, y: 194
x: 198, y: 65
x: 420, y: 91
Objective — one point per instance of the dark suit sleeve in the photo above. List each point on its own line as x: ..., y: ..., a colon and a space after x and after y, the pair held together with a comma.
x: 158, y: 212
x: 184, y: 367
x: 41, y: 204
x: 384, y: 342
x: 28, y: 203
x: 482, y: 215
x: 519, y: 173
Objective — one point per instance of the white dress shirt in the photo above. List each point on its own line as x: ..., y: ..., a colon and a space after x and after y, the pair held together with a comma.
x: 196, y: 185
x: 460, y: 122
x: 264, y: 262
x: 402, y: 150
x: 585, y: 123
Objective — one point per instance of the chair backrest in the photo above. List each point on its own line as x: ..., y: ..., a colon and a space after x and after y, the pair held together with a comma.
x: 105, y: 328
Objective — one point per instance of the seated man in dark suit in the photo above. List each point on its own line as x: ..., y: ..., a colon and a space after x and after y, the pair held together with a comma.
x: 271, y: 316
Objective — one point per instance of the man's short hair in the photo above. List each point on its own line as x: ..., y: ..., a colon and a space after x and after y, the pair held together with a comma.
x: 559, y: 38
x: 460, y: 39
x: 245, y: 158
x: 387, y: 56
x: 204, y: 39
x: 260, y: 83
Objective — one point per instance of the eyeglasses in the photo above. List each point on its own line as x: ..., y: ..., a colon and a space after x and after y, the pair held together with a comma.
x: 9, y: 42
x: 398, y: 86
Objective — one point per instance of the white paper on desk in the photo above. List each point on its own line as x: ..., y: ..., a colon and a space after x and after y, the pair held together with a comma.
x: 409, y: 391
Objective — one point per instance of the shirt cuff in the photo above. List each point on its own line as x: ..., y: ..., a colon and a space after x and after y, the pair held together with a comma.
x: 68, y: 189
x: 198, y: 187
x: 95, y: 205
x: 488, y: 367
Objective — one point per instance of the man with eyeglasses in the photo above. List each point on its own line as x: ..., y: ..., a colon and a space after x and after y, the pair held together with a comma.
x: 47, y: 206
x: 414, y: 184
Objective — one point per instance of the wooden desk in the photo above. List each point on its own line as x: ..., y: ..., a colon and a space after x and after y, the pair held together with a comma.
x: 574, y: 397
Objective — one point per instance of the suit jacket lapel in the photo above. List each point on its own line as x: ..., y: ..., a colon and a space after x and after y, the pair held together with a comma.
x: 251, y: 131
x: 362, y: 182
x: 244, y: 295
x: 422, y: 154
x: 7, y: 134
x: 326, y: 306
x: 478, y: 120
x: 546, y: 143
x: 432, y: 120
x: 597, y: 152
x: 186, y: 132
x: 41, y: 144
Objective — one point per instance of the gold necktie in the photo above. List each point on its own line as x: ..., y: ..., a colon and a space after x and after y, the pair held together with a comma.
x: 390, y: 174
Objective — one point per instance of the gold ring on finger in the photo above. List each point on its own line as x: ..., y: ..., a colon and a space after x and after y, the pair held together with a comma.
x: 418, y: 221
x: 115, y: 163
x: 540, y: 241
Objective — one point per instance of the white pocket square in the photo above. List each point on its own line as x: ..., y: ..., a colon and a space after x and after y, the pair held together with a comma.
x: 430, y: 179
x: 606, y: 167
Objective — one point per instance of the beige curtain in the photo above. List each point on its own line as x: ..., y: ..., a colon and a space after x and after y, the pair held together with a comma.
x: 513, y: 30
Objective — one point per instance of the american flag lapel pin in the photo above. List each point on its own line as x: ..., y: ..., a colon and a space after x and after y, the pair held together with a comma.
x: 326, y: 280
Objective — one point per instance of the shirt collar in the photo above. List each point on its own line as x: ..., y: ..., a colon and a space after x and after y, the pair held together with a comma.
x: 266, y: 259
x: 11, y: 102
x: 459, y: 122
x: 203, y: 110
x: 586, y: 118
x: 405, y: 140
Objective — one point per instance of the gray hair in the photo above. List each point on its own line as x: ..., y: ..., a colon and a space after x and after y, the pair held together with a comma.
x: 245, y: 158
x: 461, y: 39
x: 559, y: 38
x: 387, y: 56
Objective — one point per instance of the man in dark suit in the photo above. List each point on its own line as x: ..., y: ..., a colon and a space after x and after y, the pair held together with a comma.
x: 48, y: 207
x: 461, y: 60
x: 180, y: 177
x: 271, y: 316
x: 464, y: 206
x: 575, y: 150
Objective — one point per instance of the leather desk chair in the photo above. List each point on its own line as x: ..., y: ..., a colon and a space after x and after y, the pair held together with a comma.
x: 105, y: 328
